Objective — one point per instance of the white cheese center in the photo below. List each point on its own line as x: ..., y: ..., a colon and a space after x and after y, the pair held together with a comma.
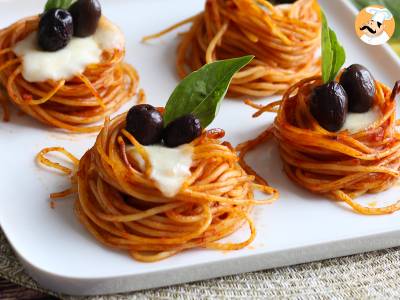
x: 356, y: 122
x: 170, y: 166
x: 39, y: 65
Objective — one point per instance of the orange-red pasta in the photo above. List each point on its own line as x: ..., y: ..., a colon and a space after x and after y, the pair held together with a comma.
x: 339, y: 165
x: 121, y: 206
x: 283, y: 38
x: 72, y: 104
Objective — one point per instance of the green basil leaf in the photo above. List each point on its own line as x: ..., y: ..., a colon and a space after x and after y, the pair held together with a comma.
x: 63, y: 4
x: 339, y: 55
x: 326, y: 50
x: 332, y: 53
x: 202, y: 91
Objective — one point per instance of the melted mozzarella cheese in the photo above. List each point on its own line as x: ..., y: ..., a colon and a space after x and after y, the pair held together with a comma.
x: 39, y: 65
x: 108, y: 36
x: 356, y: 122
x: 170, y: 166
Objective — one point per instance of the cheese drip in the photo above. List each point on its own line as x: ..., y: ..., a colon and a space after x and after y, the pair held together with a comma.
x: 170, y: 166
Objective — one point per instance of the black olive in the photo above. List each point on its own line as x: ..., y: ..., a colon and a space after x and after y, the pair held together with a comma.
x: 145, y: 123
x: 55, y: 29
x: 182, y: 130
x: 360, y: 88
x: 328, y: 105
x: 86, y: 15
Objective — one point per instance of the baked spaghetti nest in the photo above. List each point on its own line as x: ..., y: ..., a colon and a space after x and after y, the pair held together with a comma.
x: 123, y: 208
x: 71, y: 104
x: 341, y: 165
x: 283, y: 38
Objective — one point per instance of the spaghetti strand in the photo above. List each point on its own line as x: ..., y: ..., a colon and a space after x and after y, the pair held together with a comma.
x: 123, y: 208
x: 73, y: 104
x: 340, y: 165
x: 285, y: 40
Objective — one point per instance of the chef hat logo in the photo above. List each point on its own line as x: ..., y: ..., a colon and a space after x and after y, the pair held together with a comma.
x: 379, y: 14
x: 375, y: 25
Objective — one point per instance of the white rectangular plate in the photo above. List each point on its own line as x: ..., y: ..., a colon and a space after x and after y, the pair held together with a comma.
x: 58, y: 252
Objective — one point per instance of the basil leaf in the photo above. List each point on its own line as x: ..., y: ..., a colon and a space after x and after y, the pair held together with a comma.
x: 339, y: 55
x: 63, y: 4
x: 332, y: 53
x: 201, y: 92
x: 326, y: 50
